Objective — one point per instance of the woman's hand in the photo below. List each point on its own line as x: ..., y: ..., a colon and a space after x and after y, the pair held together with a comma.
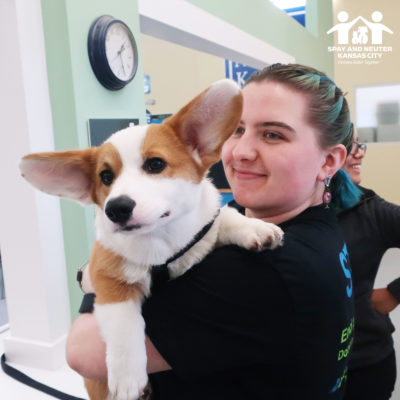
x: 383, y: 301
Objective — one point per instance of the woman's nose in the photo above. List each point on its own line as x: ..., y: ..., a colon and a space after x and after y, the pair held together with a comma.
x: 360, y: 153
x: 245, y: 148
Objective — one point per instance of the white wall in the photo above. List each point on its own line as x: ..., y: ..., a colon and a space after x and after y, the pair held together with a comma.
x: 30, y: 229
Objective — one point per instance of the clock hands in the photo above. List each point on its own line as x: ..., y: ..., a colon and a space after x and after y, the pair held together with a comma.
x: 122, y: 63
x: 122, y: 48
x: 120, y: 55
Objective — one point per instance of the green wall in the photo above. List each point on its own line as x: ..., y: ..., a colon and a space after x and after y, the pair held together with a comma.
x: 265, y: 21
x: 77, y: 96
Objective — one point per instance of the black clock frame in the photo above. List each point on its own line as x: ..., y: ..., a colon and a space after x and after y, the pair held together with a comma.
x: 96, y: 44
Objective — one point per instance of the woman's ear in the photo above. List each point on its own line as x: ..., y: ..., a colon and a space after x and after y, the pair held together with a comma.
x: 334, y: 160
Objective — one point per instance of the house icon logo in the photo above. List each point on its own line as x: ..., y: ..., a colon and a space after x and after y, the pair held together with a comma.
x: 360, y: 41
x: 371, y: 30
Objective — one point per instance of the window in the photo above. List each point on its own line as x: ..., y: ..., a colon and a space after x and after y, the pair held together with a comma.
x: 377, y: 113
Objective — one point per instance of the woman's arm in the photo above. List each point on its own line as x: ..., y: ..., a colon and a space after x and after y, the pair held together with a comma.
x: 203, y: 321
x: 383, y: 301
x: 86, y: 352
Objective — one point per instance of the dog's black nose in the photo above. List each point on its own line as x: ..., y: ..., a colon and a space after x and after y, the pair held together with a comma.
x: 119, y: 210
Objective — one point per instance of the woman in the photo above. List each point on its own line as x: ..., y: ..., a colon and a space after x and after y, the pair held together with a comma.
x: 270, y: 325
x: 370, y: 228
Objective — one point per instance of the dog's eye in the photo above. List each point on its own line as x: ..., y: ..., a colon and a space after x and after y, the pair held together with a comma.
x: 154, y: 165
x: 107, y: 176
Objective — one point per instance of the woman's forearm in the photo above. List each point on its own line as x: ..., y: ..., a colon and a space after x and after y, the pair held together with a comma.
x: 86, y: 350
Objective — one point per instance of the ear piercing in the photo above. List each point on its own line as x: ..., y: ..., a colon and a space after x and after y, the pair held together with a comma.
x: 327, y: 196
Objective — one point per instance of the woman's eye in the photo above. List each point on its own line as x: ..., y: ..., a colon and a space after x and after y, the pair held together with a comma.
x: 272, y: 136
x: 107, y: 176
x: 154, y: 165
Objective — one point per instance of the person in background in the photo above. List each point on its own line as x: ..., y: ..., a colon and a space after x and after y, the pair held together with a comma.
x: 270, y: 325
x: 370, y: 227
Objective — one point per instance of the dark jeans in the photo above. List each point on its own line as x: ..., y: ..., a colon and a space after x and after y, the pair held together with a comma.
x: 374, y: 382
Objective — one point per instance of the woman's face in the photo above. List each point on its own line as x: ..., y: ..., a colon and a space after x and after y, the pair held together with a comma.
x: 273, y: 162
x: 353, y: 162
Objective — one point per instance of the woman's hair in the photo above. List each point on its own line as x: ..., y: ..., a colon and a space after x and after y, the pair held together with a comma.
x: 345, y: 194
x: 328, y: 113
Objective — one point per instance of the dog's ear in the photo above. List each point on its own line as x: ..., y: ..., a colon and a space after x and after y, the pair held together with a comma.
x: 209, y: 119
x: 66, y: 174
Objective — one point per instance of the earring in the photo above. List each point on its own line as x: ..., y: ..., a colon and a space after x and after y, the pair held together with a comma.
x: 327, y: 196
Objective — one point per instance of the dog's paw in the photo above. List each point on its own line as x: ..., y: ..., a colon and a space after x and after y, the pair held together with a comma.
x: 126, y: 386
x: 259, y: 235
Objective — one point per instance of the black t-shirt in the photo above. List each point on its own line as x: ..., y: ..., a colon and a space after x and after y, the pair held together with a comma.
x: 270, y: 325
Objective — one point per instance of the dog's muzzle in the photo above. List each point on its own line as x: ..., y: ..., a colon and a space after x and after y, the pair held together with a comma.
x: 119, y: 209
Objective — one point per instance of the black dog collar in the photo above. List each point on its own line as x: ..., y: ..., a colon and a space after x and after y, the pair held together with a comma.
x: 160, y: 273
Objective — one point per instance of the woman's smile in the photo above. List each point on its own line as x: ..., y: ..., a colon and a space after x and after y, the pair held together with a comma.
x: 244, y: 174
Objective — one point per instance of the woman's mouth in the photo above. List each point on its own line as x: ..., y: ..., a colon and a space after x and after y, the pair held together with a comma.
x: 246, y: 174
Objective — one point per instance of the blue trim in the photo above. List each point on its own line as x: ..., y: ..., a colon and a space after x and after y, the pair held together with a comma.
x: 300, y: 14
x: 226, y: 198
x: 301, y: 19
x: 289, y: 10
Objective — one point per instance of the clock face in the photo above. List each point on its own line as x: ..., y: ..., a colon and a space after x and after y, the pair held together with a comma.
x: 112, y: 52
x: 119, y: 51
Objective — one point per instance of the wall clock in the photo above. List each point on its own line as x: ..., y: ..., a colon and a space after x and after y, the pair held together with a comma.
x: 112, y: 52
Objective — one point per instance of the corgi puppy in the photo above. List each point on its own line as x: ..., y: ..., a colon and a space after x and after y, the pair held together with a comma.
x: 151, y: 196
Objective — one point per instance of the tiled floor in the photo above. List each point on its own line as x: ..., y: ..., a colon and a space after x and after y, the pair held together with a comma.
x: 63, y: 379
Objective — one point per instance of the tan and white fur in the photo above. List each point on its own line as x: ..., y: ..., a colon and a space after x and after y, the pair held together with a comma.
x: 151, y: 196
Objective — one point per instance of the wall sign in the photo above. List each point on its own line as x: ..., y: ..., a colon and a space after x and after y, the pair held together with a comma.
x: 238, y: 72
x: 100, y: 130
